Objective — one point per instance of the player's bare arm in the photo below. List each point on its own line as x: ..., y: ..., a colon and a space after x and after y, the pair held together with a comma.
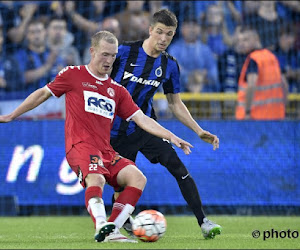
x: 32, y: 101
x: 184, y: 116
x: 251, y: 80
x: 152, y: 127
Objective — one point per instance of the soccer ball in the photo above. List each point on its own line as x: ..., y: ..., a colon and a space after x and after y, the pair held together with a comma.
x: 149, y: 225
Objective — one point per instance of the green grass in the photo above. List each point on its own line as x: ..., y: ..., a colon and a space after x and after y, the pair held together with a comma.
x: 182, y: 233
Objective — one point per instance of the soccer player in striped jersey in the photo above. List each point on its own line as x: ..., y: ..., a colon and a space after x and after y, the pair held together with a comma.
x: 141, y: 67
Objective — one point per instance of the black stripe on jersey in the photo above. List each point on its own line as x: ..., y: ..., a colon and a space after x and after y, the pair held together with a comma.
x: 135, y: 95
x: 132, y: 57
x: 149, y: 95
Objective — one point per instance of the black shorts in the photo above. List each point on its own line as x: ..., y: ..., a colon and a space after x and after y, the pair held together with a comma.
x: 149, y: 145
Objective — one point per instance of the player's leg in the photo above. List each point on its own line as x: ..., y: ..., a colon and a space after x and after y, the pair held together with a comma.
x: 161, y: 151
x: 128, y: 147
x: 95, y: 205
x: 125, y: 174
x: 86, y: 162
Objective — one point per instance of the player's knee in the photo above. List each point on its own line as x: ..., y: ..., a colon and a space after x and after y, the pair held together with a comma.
x: 132, y: 176
x: 139, y: 180
x: 174, y: 165
x: 169, y: 158
x: 95, y: 180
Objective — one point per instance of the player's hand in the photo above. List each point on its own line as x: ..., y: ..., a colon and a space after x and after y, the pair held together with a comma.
x: 210, y: 138
x: 5, y: 118
x: 184, y: 145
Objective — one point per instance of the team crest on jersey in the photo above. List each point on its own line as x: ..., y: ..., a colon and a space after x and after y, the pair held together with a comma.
x: 111, y: 92
x: 158, y: 72
x: 98, y: 104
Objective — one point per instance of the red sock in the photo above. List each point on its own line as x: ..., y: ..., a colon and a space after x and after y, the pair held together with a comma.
x: 91, y: 192
x: 130, y: 195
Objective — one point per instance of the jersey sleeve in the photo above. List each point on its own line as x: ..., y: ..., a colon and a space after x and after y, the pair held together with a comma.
x: 126, y: 106
x: 61, y: 84
x: 172, y: 85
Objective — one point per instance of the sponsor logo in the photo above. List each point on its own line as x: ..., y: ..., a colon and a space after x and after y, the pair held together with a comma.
x: 166, y: 140
x: 116, y: 159
x: 95, y: 163
x: 99, y: 82
x: 111, y: 92
x: 98, y: 104
x: 140, y: 80
x: 134, y: 65
x: 89, y: 85
x: 184, y: 177
x: 95, y: 159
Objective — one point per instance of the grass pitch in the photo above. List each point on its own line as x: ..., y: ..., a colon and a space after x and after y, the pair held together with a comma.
x: 72, y: 232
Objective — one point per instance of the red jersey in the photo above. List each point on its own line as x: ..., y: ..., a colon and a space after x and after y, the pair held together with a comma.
x: 91, y: 106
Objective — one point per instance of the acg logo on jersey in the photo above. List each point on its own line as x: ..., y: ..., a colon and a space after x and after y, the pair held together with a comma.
x: 98, y: 104
x: 141, y: 80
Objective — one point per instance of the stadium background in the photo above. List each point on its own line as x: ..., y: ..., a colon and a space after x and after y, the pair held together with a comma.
x: 255, y: 171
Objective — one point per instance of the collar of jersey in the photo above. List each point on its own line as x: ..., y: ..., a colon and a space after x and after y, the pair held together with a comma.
x: 100, y: 79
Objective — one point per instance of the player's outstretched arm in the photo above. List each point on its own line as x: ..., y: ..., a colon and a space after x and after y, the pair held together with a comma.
x: 33, y: 100
x: 152, y: 127
x: 184, y: 116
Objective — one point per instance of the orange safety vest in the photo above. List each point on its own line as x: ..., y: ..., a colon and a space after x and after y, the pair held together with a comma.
x: 268, y: 99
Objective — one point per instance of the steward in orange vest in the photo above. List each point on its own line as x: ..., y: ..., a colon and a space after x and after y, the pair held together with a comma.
x: 267, y: 101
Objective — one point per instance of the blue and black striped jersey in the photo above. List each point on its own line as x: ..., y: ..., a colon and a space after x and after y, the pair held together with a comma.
x: 142, y: 75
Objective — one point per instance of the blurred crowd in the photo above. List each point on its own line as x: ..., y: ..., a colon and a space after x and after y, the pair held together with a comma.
x: 39, y: 38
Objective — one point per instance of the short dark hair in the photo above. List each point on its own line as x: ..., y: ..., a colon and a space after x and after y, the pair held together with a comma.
x: 165, y: 17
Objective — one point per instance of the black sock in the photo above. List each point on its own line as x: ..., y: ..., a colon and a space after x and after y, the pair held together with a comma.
x: 190, y: 193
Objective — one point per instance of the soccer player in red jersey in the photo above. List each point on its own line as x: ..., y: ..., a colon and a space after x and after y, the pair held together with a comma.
x: 93, y: 100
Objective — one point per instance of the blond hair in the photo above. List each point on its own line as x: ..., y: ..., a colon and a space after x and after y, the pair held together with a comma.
x: 103, y: 35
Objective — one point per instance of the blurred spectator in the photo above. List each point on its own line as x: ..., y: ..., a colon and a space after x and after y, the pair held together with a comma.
x: 215, y: 32
x: 232, y: 11
x: 155, y: 6
x: 134, y: 21
x: 39, y: 64
x: 17, y: 33
x: 60, y: 40
x: 10, y: 20
x: 249, y: 9
x: 230, y: 66
x: 91, y: 24
x: 262, y: 89
x: 84, y: 19
x: 10, y: 75
x: 289, y: 58
x: 231, y: 62
x: 16, y: 16
x: 266, y: 22
x: 198, y: 66
x: 289, y: 10
x: 110, y: 24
